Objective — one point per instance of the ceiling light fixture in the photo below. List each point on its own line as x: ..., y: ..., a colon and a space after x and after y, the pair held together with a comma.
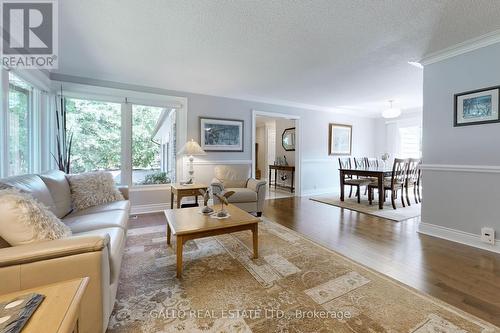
x: 391, y: 112
x: 416, y: 64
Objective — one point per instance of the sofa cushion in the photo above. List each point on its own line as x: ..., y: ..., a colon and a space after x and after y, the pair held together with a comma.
x: 92, y: 189
x: 59, y: 189
x: 242, y: 195
x: 88, y: 222
x: 24, y: 220
x: 116, y: 248
x: 116, y: 205
x: 33, y: 185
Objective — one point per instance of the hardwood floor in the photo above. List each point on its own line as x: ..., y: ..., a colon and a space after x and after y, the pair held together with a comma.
x: 463, y: 276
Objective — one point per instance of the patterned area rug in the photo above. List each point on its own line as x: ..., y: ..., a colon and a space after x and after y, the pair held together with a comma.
x: 398, y: 215
x: 295, y: 286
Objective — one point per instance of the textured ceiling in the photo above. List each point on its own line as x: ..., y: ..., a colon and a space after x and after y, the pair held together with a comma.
x: 348, y: 54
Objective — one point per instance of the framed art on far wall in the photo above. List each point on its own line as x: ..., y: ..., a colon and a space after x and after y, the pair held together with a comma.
x: 477, y: 107
x: 218, y: 134
x: 339, y: 139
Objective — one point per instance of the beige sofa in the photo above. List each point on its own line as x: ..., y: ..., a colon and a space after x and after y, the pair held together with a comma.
x: 249, y: 194
x: 95, y: 249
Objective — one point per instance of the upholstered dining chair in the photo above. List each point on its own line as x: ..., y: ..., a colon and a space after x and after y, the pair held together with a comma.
x: 345, y: 163
x: 396, y: 183
x: 413, y: 179
x: 369, y: 163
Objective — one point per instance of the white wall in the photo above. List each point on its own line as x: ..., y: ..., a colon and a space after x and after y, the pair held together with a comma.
x: 461, y: 164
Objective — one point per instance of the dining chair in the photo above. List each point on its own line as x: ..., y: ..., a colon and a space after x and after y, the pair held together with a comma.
x: 396, y: 183
x: 371, y: 162
x: 359, y: 162
x: 345, y: 163
x: 419, y: 184
x: 412, y: 179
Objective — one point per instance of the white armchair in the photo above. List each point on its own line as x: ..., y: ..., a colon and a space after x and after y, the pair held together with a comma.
x: 249, y: 193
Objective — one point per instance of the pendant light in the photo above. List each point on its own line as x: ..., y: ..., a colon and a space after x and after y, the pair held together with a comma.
x: 391, y: 112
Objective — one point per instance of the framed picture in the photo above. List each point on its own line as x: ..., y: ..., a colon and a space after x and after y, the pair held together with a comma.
x: 218, y: 134
x: 477, y: 107
x: 340, y: 139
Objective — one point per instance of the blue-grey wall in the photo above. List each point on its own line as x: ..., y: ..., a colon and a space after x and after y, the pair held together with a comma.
x: 461, y: 164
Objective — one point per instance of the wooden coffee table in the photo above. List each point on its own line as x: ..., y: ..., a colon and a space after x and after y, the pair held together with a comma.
x: 189, y: 223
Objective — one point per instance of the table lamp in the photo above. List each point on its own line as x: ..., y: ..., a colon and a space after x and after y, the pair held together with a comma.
x: 191, y: 148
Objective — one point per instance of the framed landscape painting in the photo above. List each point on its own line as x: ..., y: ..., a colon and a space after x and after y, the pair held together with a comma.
x: 218, y: 134
x: 477, y: 107
x: 339, y: 139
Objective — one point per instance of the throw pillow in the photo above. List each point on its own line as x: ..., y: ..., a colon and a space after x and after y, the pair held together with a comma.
x: 24, y: 220
x: 92, y: 189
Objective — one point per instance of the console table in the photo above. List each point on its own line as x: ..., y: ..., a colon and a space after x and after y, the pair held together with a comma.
x: 276, y: 168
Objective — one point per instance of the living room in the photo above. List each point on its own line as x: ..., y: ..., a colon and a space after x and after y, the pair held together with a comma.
x: 234, y: 166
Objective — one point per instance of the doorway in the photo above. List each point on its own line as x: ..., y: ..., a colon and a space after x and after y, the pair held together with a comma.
x: 275, y: 155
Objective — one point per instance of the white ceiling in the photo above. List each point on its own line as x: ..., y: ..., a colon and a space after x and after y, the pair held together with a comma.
x: 325, y: 54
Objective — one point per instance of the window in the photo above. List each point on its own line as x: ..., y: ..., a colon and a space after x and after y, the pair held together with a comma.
x: 20, y: 112
x: 153, y: 145
x: 96, y: 130
x: 410, y: 142
x: 102, y: 140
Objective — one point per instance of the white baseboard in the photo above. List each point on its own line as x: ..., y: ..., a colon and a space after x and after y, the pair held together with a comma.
x: 457, y: 236
x: 145, y: 209
x: 320, y: 191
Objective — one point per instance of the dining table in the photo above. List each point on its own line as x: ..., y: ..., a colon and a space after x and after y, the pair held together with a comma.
x: 373, y: 172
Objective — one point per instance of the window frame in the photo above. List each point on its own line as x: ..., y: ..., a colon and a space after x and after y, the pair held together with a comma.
x: 30, y: 126
x: 127, y: 99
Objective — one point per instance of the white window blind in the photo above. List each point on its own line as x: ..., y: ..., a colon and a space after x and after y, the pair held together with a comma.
x: 410, y: 142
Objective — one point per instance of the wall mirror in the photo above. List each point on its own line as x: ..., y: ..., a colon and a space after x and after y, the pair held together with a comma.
x: 288, y: 139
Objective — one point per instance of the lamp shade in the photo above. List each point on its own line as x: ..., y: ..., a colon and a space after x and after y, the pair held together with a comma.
x: 192, y: 148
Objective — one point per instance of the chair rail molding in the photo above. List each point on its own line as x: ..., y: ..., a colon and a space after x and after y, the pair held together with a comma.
x: 461, y: 48
x: 219, y: 162
x: 319, y: 160
x: 457, y: 236
x: 461, y: 168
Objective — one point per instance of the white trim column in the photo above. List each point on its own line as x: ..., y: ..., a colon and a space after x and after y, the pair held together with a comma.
x: 4, y: 132
x: 126, y: 137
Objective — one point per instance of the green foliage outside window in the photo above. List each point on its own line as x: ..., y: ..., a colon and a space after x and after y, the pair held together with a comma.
x: 96, y: 128
x: 19, y: 104
x: 145, y: 152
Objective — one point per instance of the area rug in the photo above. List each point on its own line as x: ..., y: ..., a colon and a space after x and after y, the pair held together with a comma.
x: 296, y: 285
x: 398, y: 215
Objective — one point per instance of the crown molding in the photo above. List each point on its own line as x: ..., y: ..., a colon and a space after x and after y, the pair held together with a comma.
x: 461, y: 48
